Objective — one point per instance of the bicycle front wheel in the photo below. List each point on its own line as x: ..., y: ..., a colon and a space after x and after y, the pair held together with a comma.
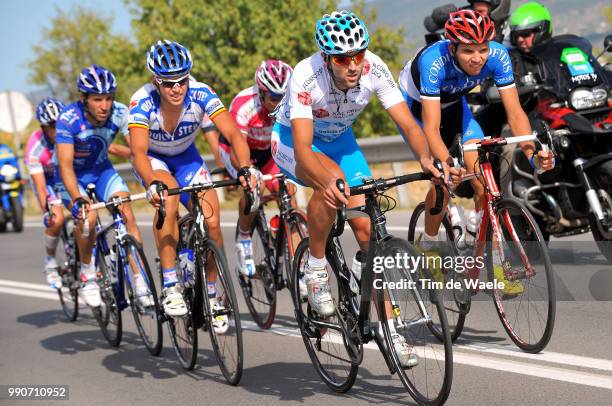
x: 296, y: 230
x: 456, y: 302
x: 408, y: 308
x: 259, y: 290
x: 144, y: 304
x: 69, y: 271
x: 221, y: 312
x: 327, y: 348
x: 526, y: 302
x: 108, y: 314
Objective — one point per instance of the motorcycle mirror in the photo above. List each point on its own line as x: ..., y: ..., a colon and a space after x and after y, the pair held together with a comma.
x: 608, y: 43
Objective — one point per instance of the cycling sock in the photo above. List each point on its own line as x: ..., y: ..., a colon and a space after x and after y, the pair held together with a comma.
x: 212, y: 289
x: 243, y: 235
x: 170, y: 278
x: 51, y: 242
x: 89, y: 271
x: 428, y: 241
x: 316, y: 262
x: 391, y: 324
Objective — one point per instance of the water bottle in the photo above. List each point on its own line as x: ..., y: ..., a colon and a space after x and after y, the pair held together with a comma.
x: 355, y: 282
x: 274, y: 224
x: 111, y: 261
x: 187, y: 266
x: 457, y: 219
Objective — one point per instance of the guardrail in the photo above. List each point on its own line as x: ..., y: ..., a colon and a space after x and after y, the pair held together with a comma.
x: 377, y: 150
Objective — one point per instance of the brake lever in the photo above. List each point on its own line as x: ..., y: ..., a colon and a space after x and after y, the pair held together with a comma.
x: 437, y: 209
x: 341, y: 187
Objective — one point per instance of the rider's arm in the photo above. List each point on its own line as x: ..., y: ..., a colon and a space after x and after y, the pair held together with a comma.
x: 432, y: 114
x: 120, y: 151
x: 410, y: 129
x: 139, y: 145
x: 302, y: 130
x: 240, y: 149
x: 212, y: 138
x: 65, y: 158
x: 40, y: 186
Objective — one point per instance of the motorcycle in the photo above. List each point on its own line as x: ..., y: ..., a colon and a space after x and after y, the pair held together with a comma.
x: 574, y: 112
x: 11, y: 194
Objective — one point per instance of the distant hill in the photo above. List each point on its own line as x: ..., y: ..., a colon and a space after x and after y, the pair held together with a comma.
x: 582, y: 17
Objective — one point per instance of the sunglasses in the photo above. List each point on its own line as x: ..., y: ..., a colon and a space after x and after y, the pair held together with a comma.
x: 170, y: 83
x: 275, y: 97
x: 345, y: 60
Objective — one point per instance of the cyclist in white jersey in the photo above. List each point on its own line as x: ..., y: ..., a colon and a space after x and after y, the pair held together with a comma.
x: 314, y: 145
x: 165, y: 116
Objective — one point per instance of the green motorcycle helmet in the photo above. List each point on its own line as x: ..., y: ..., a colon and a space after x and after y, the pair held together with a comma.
x: 531, y: 16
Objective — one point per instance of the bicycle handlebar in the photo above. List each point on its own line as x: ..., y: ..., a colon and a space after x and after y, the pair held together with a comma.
x: 117, y: 201
x: 488, y: 142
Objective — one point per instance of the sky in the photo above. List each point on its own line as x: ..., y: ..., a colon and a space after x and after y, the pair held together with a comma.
x: 21, y: 24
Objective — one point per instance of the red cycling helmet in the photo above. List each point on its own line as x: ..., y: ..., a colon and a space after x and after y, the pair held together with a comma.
x: 273, y: 76
x: 469, y: 27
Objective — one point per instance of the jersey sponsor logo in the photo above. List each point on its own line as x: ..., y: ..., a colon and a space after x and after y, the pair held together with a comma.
x: 321, y: 113
x: 133, y: 104
x: 147, y: 105
x: 274, y: 147
x: 436, y: 66
x: 366, y: 67
x: 503, y: 57
x: 310, y: 80
x: 305, y: 98
x: 69, y: 116
x: 214, y: 106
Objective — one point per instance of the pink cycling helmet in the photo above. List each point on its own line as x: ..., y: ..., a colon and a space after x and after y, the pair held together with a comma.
x: 272, y: 76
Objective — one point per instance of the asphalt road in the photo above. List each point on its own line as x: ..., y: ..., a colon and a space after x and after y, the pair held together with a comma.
x: 38, y: 345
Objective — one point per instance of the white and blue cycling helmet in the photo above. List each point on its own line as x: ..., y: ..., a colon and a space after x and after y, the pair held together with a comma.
x: 96, y: 79
x: 342, y: 32
x: 48, y: 110
x: 169, y: 59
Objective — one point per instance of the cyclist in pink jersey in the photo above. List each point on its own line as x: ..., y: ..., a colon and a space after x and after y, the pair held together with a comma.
x: 39, y: 160
x: 252, y: 110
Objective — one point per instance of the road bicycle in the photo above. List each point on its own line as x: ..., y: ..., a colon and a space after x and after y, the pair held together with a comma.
x: 527, y: 314
x: 336, y: 344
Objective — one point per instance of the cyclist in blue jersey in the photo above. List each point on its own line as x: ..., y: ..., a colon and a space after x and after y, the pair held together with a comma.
x: 434, y: 84
x: 85, y: 131
x: 165, y: 116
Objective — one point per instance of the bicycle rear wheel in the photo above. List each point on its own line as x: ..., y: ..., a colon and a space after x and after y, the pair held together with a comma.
x: 456, y: 302
x: 108, y: 314
x: 260, y: 290
x: 410, y: 312
x: 145, y: 305
x: 526, y: 306
x: 326, y: 347
x: 69, y: 271
x: 226, y: 338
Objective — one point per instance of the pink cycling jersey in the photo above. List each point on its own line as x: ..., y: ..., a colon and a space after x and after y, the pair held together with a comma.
x: 253, y: 119
x: 39, y: 155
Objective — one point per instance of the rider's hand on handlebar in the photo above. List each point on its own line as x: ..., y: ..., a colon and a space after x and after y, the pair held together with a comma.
x: 333, y: 197
x: 48, y: 219
x: 544, y: 160
x: 153, y: 192
x: 78, y: 205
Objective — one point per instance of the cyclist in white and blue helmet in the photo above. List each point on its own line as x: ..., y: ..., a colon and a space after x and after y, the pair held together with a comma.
x: 165, y: 155
x: 85, y: 133
x: 314, y: 145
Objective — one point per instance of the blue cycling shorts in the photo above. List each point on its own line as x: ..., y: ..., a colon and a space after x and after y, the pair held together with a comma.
x: 104, y: 176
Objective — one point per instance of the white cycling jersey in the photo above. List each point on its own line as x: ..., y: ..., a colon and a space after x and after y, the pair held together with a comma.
x: 313, y: 95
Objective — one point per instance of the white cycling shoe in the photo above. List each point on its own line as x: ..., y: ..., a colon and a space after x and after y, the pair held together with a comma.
x: 173, y: 302
x: 244, y: 256
x: 90, y: 292
x: 143, y: 294
x: 319, y: 295
x: 220, y: 321
x: 405, y: 353
x: 51, y: 274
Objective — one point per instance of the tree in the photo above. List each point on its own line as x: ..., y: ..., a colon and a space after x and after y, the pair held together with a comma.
x: 229, y: 40
x: 76, y: 39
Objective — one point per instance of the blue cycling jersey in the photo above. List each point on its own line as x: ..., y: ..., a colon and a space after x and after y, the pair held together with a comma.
x: 434, y: 74
x: 90, y: 143
x: 200, y: 101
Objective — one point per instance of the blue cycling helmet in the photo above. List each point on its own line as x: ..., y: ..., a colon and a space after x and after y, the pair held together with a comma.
x: 48, y: 110
x: 96, y: 79
x: 167, y: 59
x: 342, y: 32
